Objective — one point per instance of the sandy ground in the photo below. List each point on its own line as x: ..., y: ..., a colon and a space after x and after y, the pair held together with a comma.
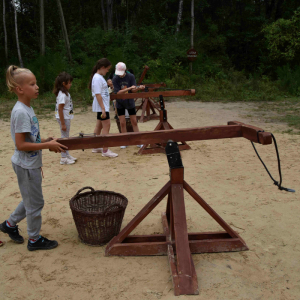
x: 226, y: 173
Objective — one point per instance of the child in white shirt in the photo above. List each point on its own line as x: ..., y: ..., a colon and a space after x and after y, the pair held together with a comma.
x: 64, y: 111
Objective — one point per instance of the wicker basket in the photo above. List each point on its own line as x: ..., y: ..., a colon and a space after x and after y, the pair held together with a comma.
x: 98, y: 215
x: 128, y: 125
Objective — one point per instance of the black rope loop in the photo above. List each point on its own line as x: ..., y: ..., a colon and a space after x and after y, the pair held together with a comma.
x: 279, y: 166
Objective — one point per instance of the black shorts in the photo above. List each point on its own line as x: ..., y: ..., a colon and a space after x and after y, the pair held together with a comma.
x: 131, y: 111
x: 99, y: 116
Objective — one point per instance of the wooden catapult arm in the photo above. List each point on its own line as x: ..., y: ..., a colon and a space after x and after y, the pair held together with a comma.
x: 176, y: 240
x: 232, y: 130
x: 153, y: 94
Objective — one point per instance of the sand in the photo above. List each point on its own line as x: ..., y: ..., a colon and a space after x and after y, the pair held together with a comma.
x: 226, y: 173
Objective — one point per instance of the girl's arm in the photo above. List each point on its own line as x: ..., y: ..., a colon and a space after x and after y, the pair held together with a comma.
x: 52, y: 145
x: 61, y: 116
x: 100, y: 101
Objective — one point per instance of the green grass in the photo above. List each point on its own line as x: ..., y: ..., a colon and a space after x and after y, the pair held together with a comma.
x: 271, y: 103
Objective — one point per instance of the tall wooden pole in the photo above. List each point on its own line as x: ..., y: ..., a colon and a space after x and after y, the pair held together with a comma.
x: 192, y: 32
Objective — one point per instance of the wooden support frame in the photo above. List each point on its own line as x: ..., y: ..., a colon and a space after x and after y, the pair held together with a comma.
x: 162, y: 125
x: 149, y: 108
x: 176, y: 240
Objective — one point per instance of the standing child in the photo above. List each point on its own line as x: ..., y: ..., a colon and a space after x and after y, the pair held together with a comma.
x: 64, y: 111
x: 100, y: 92
x: 27, y: 160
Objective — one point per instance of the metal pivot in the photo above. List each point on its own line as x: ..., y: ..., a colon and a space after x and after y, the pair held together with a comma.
x: 176, y: 241
x: 162, y: 125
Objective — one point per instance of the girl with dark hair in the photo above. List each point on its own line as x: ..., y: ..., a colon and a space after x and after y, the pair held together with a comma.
x: 64, y: 111
x: 100, y: 92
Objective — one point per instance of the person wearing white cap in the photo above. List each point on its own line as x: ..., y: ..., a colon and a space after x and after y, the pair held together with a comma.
x: 124, y: 83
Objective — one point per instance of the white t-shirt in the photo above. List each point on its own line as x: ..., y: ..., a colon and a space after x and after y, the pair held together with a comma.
x: 62, y: 98
x: 99, y: 86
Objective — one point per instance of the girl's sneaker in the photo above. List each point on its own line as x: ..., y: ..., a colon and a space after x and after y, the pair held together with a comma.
x: 71, y: 157
x: 66, y: 161
x: 42, y: 244
x: 13, y: 233
x: 97, y: 150
x: 109, y: 153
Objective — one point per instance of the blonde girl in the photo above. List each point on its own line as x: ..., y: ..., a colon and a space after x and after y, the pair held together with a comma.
x: 27, y: 160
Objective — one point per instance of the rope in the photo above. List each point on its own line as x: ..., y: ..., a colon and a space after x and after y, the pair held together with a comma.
x: 279, y: 167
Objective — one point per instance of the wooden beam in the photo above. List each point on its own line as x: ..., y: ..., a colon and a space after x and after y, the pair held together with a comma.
x: 174, y: 93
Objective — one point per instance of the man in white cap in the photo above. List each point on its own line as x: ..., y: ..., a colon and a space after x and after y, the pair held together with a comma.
x: 124, y: 82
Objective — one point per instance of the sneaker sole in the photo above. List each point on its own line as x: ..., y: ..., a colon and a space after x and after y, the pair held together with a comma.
x: 41, y: 248
x: 15, y: 241
x: 67, y: 164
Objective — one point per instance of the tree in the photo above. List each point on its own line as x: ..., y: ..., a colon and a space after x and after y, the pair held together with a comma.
x: 192, y: 31
x: 5, y: 33
x: 109, y: 14
x: 17, y: 36
x: 103, y: 15
x: 179, y: 16
x: 42, y: 27
x: 64, y: 29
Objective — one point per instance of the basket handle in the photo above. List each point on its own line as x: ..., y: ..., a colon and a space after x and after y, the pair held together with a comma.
x: 84, y: 188
x: 117, y: 205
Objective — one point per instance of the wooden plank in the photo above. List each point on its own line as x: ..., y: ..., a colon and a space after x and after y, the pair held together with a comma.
x: 153, y: 137
x: 137, y: 249
x: 175, y: 93
x: 146, y: 68
x: 171, y: 256
x: 217, y: 245
x: 252, y: 133
x: 139, y: 217
x: 185, y: 268
x: 145, y: 238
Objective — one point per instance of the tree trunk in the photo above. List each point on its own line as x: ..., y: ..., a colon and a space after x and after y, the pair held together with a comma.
x: 109, y: 14
x: 103, y: 15
x: 192, y: 31
x: 42, y: 28
x: 17, y: 36
x: 179, y: 15
x: 5, y: 33
x: 64, y: 29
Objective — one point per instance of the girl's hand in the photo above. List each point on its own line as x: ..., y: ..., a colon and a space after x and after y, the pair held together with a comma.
x: 64, y: 127
x: 103, y: 115
x: 50, y: 138
x: 56, y: 147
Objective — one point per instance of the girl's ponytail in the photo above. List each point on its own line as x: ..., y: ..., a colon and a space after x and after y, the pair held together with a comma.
x: 103, y: 62
x: 13, y: 76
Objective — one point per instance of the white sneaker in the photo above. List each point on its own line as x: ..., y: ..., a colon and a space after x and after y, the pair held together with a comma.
x: 109, y: 153
x: 66, y: 161
x: 71, y: 157
x: 139, y: 146
x: 97, y: 150
x: 123, y: 147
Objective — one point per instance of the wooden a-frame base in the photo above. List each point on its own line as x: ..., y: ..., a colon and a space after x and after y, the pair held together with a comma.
x: 176, y: 240
x: 162, y: 125
x: 147, y: 105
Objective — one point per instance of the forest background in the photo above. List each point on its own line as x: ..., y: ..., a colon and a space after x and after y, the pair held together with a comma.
x: 248, y: 50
